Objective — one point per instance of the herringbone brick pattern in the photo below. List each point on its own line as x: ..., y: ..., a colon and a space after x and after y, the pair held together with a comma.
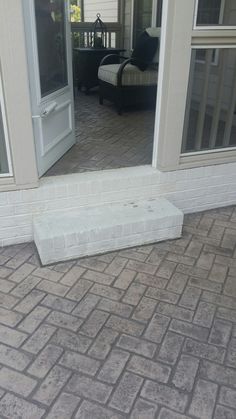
x: 106, y: 140
x: 141, y: 333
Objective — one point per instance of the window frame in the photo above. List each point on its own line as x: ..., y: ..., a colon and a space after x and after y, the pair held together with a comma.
x: 216, y: 37
x: 219, y: 149
x: 211, y: 27
x: 173, y: 80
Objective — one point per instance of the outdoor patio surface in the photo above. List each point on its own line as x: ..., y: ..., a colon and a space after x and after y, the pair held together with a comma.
x: 143, y: 333
x: 106, y: 140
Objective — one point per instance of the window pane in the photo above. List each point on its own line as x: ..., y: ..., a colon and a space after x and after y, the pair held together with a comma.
x: 216, y: 12
x: 51, y: 38
x: 3, y: 155
x: 210, y: 120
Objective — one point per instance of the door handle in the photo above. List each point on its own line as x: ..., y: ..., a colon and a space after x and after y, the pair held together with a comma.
x: 48, y: 110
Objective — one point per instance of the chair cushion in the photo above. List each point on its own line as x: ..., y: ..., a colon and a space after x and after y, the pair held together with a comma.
x: 132, y: 76
x: 144, y: 50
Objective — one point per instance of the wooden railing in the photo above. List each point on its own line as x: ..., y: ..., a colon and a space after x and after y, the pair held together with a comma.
x: 82, y: 35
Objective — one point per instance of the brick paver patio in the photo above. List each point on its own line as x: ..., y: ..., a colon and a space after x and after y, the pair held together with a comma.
x: 142, y: 333
x: 106, y: 140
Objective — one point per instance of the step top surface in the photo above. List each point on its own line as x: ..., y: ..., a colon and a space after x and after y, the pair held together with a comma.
x: 105, y: 216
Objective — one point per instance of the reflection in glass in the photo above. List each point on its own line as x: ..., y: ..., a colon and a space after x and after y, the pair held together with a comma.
x: 3, y: 154
x: 142, y: 17
x: 51, y: 39
x: 216, y: 12
x: 210, y: 120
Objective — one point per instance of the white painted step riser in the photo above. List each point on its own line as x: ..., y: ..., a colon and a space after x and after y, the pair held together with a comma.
x: 110, y: 233
x: 63, y: 254
x: 96, y: 230
x: 131, y: 240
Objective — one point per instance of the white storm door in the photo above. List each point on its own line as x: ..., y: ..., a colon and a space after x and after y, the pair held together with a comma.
x: 48, y: 36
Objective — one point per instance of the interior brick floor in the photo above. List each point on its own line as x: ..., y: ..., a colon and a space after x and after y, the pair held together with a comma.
x: 142, y: 333
x: 106, y: 140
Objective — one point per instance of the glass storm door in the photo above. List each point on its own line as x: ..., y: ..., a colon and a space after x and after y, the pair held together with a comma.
x: 48, y: 39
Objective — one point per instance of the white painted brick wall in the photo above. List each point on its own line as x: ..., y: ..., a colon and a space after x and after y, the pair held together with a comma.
x: 191, y: 190
x: 88, y: 231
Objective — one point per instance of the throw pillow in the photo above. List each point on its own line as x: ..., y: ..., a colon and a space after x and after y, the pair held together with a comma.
x: 144, y: 51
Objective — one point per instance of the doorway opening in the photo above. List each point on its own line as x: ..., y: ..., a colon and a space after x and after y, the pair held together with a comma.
x: 104, y: 138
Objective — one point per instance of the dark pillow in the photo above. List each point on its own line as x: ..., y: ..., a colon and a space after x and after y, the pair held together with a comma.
x: 144, y: 50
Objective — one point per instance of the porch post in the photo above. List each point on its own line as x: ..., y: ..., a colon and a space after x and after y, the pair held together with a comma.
x: 175, y: 56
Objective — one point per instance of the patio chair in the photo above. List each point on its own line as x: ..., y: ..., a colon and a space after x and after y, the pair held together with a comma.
x: 131, y: 81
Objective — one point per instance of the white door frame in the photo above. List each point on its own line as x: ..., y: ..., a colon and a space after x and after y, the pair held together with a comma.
x: 175, y: 52
x: 166, y: 153
x: 173, y: 76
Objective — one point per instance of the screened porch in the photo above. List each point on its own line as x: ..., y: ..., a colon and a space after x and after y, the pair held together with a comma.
x: 104, y: 139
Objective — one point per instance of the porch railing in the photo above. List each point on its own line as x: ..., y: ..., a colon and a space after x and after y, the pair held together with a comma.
x: 82, y: 35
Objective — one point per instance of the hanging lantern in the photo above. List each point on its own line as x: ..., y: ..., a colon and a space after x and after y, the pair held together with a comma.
x: 99, y: 33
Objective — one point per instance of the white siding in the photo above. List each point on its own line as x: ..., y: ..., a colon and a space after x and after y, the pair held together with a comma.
x: 107, y: 8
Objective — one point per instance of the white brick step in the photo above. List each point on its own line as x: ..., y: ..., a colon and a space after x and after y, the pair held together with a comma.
x: 89, y: 231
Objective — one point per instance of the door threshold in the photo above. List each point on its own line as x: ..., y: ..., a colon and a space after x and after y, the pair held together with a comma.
x: 111, y: 174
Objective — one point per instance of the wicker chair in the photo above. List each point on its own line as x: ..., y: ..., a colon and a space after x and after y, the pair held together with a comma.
x: 124, y: 84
